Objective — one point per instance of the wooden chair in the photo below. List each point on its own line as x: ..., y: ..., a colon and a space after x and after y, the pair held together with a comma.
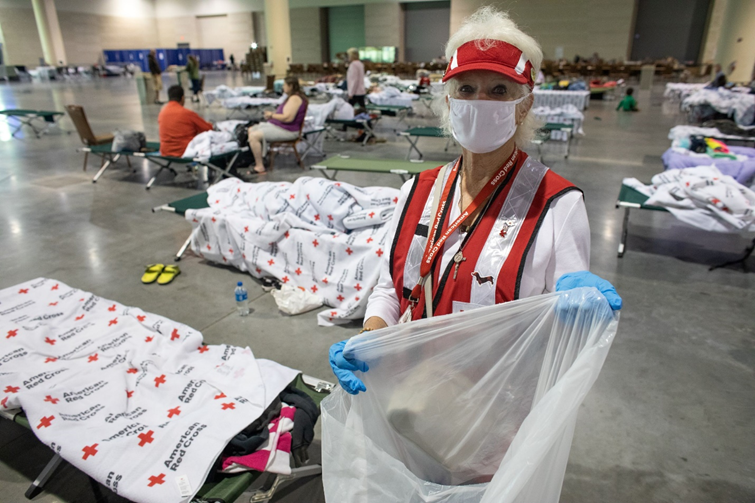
x: 273, y: 147
x: 88, y: 138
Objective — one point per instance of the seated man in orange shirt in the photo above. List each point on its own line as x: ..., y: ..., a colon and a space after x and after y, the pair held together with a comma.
x: 178, y: 125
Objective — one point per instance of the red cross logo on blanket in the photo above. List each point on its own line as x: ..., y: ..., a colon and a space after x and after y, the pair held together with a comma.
x: 209, y: 247
x: 395, y: 200
x: 149, y: 338
x: 219, y: 396
x: 340, y: 298
x: 23, y: 290
x: 356, y: 299
x: 286, y: 234
x: 49, y: 341
x: 298, y: 271
x: 330, y: 217
x: 292, y: 196
x: 259, y: 271
x: 4, y: 402
x: 203, y: 349
x: 333, y: 313
x: 12, y: 389
x: 317, y: 217
x: 53, y: 304
x: 112, y: 322
x: 174, y: 412
x: 379, y: 252
x: 246, y: 229
x: 314, y: 288
x: 12, y: 333
x: 45, y: 422
x: 285, y: 279
x: 141, y: 318
x: 214, y: 220
x: 50, y: 359
x: 111, y: 308
x: 372, y: 214
x: 89, y: 450
x: 54, y: 287
x: 230, y: 250
x: 146, y: 438
x: 80, y: 317
x: 357, y: 287
x: 174, y: 334
x: 129, y: 394
x: 325, y: 280
x: 270, y: 262
x: 52, y: 400
x: 370, y: 240
x: 349, y: 251
x: 229, y: 405
x: 93, y: 358
x: 315, y: 243
x: 160, y: 479
x: 159, y: 380
x: 132, y: 370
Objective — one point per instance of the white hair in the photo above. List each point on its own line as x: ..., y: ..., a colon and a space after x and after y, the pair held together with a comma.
x: 486, y: 25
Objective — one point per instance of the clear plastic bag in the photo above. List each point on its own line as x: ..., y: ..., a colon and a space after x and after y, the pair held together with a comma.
x: 478, y: 406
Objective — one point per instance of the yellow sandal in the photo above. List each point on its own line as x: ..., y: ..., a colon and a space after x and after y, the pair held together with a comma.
x: 152, y: 272
x: 168, y: 274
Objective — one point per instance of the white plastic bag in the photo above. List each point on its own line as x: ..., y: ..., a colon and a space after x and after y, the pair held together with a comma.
x: 295, y: 300
x: 478, y: 406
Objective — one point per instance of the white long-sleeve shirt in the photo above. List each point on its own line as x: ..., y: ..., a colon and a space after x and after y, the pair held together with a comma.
x: 561, y: 245
x: 355, y: 78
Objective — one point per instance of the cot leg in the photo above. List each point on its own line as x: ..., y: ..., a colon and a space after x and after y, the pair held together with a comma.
x: 624, y: 232
x: 267, y: 491
x: 272, y: 152
x: 413, y: 146
x: 128, y: 161
x: 48, y: 471
x: 103, y: 167
x: 298, y: 158
x: 86, y: 158
x: 183, y: 248
x: 152, y: 180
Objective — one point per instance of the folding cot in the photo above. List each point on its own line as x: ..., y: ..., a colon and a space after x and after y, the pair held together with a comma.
x: 226, y: 488
x: 404, y: 169
x: 366, y: 125
x: 180, y: 207
x: 543, y: 136
x: 630, y: 198
x: 398, y: 111
x: 152, y: 154
x: 419, y: 132
x: 27, y: 117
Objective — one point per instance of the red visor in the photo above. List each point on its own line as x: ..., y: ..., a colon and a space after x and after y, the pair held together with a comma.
x: 502, y: 58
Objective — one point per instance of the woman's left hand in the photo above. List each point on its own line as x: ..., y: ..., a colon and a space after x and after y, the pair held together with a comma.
x: 586, y: 278
x: 268, y: 114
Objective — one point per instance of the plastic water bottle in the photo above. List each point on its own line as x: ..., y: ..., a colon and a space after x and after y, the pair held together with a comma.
x: 242, y: 299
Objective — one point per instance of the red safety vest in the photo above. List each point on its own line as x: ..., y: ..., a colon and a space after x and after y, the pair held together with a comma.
x: 495, y: 249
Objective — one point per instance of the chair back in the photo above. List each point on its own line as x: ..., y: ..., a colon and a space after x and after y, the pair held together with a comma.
x: 270, y: 84
x: 79, y: 119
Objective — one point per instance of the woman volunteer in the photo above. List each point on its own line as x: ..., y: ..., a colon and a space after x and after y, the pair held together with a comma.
x: 493, y: 225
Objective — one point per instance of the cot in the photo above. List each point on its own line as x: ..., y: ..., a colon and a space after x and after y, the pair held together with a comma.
x: 543, y: 136
x: 225, y: 488
x: 630, y: 198
x: 366, y: 125
x: 25, y: 117
x: 180, y: 207
x: 404, y: 169
x: 105, y: 152
x: 398, y: 111
x: 414, y: 134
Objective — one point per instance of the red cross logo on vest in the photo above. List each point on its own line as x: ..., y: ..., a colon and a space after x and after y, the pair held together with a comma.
x: 160, y: 479
x: 229, y: 405
x: 176, y: 411
x: 145, y: 438
x: 159, y: 380
x: 52, y: 400
x: 45, y: 422
x: 89, y: 450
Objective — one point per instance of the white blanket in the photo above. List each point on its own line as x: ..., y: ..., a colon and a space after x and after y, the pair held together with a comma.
x: 702, y: 197
x: 130, y: 398
x: 223, y: 92
x: 565, y: 114
x: 391, y: 96
x: 210, y: 143
x: 737, y: 105
x: 246, y: 101
x: 295, y: 232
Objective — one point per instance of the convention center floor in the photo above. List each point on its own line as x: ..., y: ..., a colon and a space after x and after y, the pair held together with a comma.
x: 669, y: 419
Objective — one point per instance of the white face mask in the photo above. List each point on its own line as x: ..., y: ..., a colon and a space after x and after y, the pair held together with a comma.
x: 482, y: 126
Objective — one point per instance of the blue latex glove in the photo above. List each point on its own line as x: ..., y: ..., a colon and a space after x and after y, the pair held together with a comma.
x: 586, y: 278
x: 344, y: 368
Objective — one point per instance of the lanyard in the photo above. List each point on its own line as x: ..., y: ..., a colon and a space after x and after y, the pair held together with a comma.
x: 433, y: 247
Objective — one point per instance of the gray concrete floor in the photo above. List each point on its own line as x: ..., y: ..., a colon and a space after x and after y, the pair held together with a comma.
x: 670, y: 418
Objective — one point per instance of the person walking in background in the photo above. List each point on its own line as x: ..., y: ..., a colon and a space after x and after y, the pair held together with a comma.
x: 156, y: 72
x: 628, y: 103
x: 233, y: 62
x: 355, y: 79
x: 192, y: 68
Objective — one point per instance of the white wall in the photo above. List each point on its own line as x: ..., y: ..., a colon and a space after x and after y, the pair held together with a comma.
x: 306, y: 39
x: 737, y: 42
x: 116, y: 8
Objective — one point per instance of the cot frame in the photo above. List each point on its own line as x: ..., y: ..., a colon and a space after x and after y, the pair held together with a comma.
x: 408, y: 134
x: 27, y: 118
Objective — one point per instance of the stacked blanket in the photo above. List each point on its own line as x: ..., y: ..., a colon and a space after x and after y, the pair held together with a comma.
x: 130, y: 398
x: 295, y: 232
x: 565, y: 114
x: 703, y: 197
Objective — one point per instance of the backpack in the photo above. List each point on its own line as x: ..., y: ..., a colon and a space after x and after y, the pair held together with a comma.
x: 127, y: 140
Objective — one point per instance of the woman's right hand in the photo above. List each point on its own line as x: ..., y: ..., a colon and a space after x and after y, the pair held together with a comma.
x: 344, y: 368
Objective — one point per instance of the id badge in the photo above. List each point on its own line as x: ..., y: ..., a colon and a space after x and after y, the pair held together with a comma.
x: 407, y: 316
